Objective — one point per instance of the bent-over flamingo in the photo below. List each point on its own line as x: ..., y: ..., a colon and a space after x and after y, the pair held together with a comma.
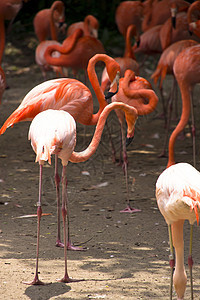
x: 69, y: 44
x: 54, y: 132
x: 84, y: 49
x: 67, y: 94
x: 136, y: 92
x: 178, y: 198
x: 50, y: 21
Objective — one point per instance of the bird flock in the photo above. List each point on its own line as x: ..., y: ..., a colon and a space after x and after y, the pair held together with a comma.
x: 169, y: 29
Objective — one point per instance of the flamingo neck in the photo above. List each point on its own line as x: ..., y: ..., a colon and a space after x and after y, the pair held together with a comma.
x: 52, y: 23
x: 96, y: 87
x: 128, y: 49
x: 143, y: 109
x: 186, y: 107
x: 130, y: 112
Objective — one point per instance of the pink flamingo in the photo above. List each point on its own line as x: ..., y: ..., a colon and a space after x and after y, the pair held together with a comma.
x: 178, y: 198
x: 136, y: 92
x: 54, y: 132
x: 90, y: 26
x: 70, y: 95
x: 49, y: 22
x: 187, y: 72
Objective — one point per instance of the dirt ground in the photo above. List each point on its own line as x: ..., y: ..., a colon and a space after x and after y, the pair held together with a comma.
x: 127, y: 255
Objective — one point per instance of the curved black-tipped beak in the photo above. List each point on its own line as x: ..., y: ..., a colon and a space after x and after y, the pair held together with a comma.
x: 138, y: 43
x: 60, y: 24
x: 128, y: 141
x: 190, y: 32
x: 174, y: 22
x: 109, y: 95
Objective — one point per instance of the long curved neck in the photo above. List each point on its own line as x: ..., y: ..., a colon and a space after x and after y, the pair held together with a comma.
x: 52, y: 22
x: 2, y: 38
x: 131, y: 116
x: 143, y: 109
x: 186, y: 107
x: 131, y: 31
x: 67, y: 46
x: 96, y: 86
x: 192, y: 8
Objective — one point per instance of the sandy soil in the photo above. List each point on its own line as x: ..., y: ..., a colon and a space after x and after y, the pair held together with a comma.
x: 127, y: 256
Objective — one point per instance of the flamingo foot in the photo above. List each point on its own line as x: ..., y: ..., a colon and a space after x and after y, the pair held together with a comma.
x: 67, y: 279
x: 59, y: 244
x: 75, y: 248
x: 35, y: 281
x: 129, y: 209
x: 162, y: 154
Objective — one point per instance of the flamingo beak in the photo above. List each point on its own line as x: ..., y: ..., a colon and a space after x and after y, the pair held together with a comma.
x: 116, y: 80
x: 129, y: 140
x: 174, y: 22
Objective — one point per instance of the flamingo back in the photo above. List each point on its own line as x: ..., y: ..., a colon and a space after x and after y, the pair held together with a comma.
x: 53, y: 132
x: 178, y: 193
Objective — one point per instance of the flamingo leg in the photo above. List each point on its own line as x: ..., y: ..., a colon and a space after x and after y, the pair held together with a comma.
x: 171, y: 260
x: 193, y: 132
x: 66, y: 277
x: 58, y: 241
x: 57, y: 183
x: 128, y: 208
x: 36, y: 280
x: 190, y: 260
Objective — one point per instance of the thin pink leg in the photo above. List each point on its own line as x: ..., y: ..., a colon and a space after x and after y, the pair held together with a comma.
x: 57, y: 183
x: 36, y: 280
x: 66, y: 277
x: 128, y: 208
x: 58, y: 241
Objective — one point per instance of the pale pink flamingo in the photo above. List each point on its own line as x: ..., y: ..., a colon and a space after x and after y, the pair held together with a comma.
x: 54, y: 132
x: 66, y: 94
x: 90, y: 26
x: 178, y: 198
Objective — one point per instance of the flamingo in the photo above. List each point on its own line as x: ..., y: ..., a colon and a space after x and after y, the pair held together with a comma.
x: 54, y: 132
x: 128, y: 13
x: 90, y: 26
x: 187, y: 72
x: 70, y: 43
x: 170, y: 35
x: 78, y: 58
x: 157, y: 12
x: 164, y: 67
x: 178, y: 198
x: 66, y: 94
x: 49, y: 22
x: 134, y: 91
x: 128, y: 61
x: 193, y: 15
x: 8, y: 11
